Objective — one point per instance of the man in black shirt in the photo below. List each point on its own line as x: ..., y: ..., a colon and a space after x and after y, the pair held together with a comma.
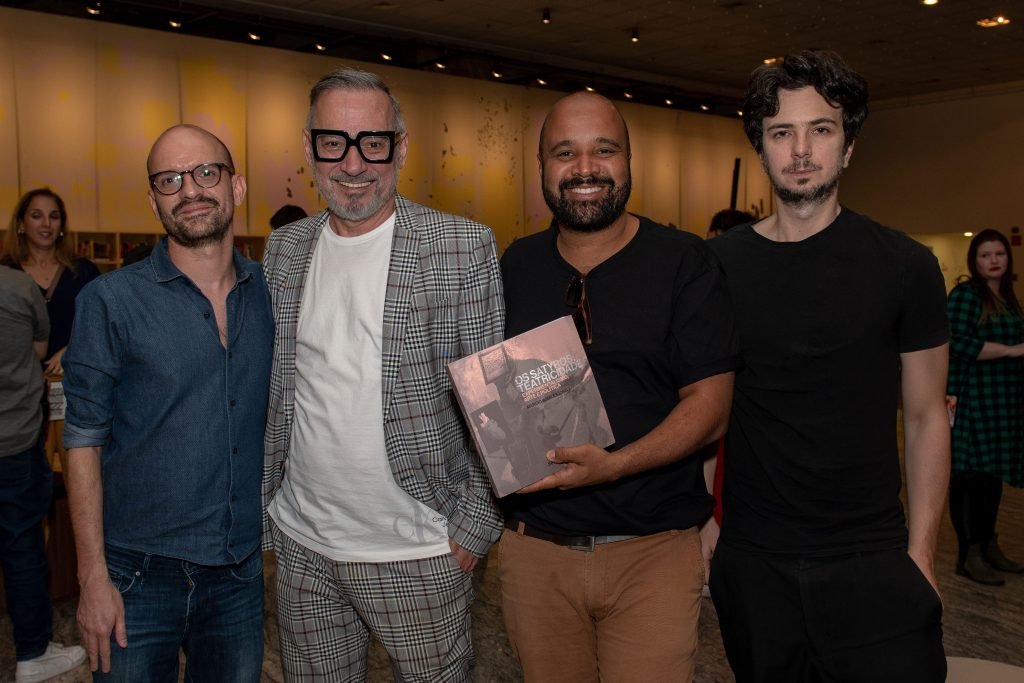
x: 601, y: 564
x: 814, y: 577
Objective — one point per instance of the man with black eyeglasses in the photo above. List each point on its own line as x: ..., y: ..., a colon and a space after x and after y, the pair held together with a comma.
x: 378, y: 508
x: 166, y: 381
x: 601, y: 563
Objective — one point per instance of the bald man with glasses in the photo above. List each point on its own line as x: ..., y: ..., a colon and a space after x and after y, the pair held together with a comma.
x: 166, y: 380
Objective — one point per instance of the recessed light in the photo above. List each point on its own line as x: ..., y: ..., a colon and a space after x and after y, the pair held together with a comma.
x: 386, y: 57
x: 93, y: 9
x: 705, y: 107
x: 545, y: 16
x: 930, y: 3
x: 440, y: 65
x: 968, y: 234
x: 254, y: 36
x: 589, y: 89
x: 772, y: 60
x: 497, y: 72
x: 320, y: 47
x: 173, y: 24
x: 668, y: 101
x: 739, y: 112
x: 628, y: 95
x: 541, y: 81
x: 993, y: 22
x: 635, y: 38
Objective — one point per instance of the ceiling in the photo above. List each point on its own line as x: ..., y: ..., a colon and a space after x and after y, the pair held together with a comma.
x: 693, y: 52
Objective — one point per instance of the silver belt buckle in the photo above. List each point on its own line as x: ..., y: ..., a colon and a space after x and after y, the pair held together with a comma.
x: 587, y: 546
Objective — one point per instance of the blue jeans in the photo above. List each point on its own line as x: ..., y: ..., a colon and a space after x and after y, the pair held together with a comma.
x: 214, y: 614
x: 26, y: 488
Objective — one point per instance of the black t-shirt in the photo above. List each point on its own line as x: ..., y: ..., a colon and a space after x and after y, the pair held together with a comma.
x: 61, y: 306
x: 811, y: 464
x: 661, y: 321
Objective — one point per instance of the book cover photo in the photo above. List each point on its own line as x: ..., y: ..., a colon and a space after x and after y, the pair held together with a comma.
x: 527, y: 395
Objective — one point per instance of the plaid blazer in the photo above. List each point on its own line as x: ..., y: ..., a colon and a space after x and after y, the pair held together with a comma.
x: 443, y: 301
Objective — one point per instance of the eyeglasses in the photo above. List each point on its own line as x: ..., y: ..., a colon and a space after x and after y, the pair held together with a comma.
x: 203, y: 175
x: 576, y: 295
x: 375, y: 146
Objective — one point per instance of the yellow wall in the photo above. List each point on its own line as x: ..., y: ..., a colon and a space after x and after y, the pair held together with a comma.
x: 81, y: 102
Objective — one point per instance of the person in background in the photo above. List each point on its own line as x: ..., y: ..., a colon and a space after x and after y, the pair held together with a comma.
x: 987, y: 378
x: 38, y: 242
x: 816, y: 575
x: 727, y: 219
x: 289, y: 213
x: 378, y: 508
x: 26, y: 482
x: 166, y: 387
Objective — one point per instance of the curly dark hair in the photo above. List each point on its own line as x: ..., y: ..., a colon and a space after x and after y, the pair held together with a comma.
x: 823, y: 70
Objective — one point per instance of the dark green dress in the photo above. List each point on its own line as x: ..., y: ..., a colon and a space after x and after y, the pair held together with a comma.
x: 988, y: 434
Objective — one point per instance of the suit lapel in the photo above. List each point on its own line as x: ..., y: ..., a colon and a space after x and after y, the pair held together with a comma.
x: 398, y: 299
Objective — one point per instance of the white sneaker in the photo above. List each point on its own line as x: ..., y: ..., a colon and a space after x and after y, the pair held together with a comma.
x: 56, y: 660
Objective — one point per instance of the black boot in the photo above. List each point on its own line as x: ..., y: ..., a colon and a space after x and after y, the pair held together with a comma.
x: 994, y: 556
x: 975, y: 568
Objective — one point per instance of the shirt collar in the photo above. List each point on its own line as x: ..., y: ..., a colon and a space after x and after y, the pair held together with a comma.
x: 165, y: 270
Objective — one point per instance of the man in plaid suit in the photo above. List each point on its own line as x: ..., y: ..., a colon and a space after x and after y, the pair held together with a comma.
x: 377, y: 508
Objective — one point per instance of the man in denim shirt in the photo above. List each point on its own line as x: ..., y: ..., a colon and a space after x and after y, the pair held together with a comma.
x: 166, y: 381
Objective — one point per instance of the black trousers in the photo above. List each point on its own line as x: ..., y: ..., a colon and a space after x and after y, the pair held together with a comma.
x: 974, y: 499
x: 863, y: 618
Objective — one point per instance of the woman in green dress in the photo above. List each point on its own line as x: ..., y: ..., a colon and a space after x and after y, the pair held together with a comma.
x: 986, y: 375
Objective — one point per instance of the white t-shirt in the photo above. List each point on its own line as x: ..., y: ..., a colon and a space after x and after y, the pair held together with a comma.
x: 338, y: 497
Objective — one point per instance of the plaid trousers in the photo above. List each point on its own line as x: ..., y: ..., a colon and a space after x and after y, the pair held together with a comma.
x: 419, y: 610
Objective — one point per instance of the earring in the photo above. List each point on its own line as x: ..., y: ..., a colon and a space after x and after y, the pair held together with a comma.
x: 21, y: 231
x: 61, y: 234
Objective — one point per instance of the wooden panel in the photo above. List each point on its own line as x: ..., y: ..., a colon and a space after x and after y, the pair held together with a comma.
x: 55, y: 86
x: 9, y: 188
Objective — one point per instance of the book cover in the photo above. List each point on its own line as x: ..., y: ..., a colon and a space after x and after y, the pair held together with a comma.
x: 527, y: 395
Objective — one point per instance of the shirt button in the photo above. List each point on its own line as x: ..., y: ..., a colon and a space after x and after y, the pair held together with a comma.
x: 232, y: 403
x: 230, y: 355
x: 234, y: 451
x: 206, y: 315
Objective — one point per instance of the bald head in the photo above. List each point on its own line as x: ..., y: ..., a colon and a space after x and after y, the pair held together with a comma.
x: 577, y: 106
x: 188, y: 136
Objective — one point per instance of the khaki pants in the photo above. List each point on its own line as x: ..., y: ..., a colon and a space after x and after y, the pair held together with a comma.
x: 624, y: 612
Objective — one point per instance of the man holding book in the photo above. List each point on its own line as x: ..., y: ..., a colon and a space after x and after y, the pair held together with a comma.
x: 601, y: 562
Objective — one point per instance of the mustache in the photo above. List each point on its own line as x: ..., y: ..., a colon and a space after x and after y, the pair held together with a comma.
x: 577, y: 181
x: 208, y: 201
x: 362, y: 177
x: 803, y: 165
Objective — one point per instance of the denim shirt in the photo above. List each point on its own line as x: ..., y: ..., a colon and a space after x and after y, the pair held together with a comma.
x: 179, y: 417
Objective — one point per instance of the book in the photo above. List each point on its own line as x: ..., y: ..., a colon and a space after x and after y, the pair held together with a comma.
x: 526, y: 396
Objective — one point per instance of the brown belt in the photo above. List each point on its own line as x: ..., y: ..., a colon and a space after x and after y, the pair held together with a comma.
x: 585, y: 543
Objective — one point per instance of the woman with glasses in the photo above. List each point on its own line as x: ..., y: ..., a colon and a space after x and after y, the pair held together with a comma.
x: 986, y: 376
x: 37, y: 243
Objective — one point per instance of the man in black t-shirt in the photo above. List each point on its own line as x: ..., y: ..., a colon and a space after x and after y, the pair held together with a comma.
x: 815, y: 576
x: 601, y: 564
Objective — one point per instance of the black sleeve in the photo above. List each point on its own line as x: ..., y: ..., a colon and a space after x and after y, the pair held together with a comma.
x: 923, y: 321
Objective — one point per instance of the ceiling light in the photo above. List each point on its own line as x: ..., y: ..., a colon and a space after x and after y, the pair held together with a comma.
x: 254, y: 36
x: 739, y: 112
x: 545, y: 16
x: 541, y: 81
x: 386, y: 57
x: 440, y: 65
x: 93, y: 9
x: 628, y: 95
x: 635, y: 38
x: 668, y: 101
x: 497, y: 72
x: 320, y: 46
x: 968, y: 234
x: 174, y: 24
x: 930, y: 3
x: 589, y: 89
x: 705, y: 107
x: 993, y: 22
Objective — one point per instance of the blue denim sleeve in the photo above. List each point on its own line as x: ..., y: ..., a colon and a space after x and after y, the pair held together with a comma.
x: 92, y: 365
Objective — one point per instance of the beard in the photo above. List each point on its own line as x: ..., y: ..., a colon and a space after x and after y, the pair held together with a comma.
x: 815, y: 194
x: 587, y: 216
x: 200, y: 231
x: 356, y: 209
